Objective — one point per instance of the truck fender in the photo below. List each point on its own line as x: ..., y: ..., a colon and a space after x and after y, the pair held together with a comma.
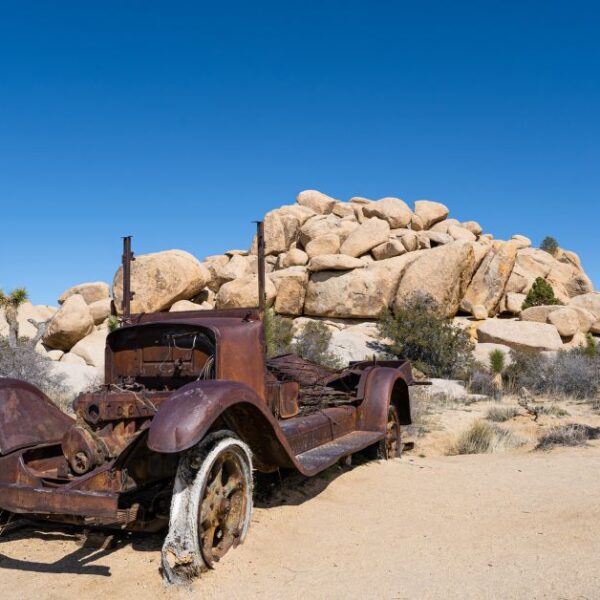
x: 382, y: 386
x: 188, y: 414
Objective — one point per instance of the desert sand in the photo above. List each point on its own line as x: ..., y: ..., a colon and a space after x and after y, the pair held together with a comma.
x: 518, y: 525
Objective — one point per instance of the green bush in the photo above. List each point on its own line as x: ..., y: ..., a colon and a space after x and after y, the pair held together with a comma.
x: 497, y: 361
x: 278, y: 333
x: 419, y: 332
x: 540, y: 294
x: 312, y: 343
x: 549, y: 245
x: 483, y: 437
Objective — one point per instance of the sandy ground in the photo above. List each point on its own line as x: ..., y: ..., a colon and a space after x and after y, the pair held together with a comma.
x: 518, y: 525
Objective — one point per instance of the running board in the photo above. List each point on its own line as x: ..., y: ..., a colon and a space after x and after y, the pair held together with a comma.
x: 324, y: 456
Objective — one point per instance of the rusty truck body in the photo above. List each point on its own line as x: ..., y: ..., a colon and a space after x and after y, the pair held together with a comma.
x: 190, y: 406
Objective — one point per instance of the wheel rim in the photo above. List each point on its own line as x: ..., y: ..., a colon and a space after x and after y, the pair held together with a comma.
x: 392, y: 434
x: 222, y: 511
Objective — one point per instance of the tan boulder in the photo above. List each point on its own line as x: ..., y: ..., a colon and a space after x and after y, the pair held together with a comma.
x: 243, y: 293
x: 359, y: 293
x: 410, y: 241
x: 461, y: 233
x: 160, y: 279
x: 294, y: 258
x: 393, y: 247
x: 393, y: 210
x: 100, y: 310
x: 366, y: 236
x: 437, y: 239
x: 291, y: 286
x: 430, y: 212
x: 92, y: 348
x: 521, y: 241
x: 442, y: 273
x: 530, y: 264
x: 90, y: 292
x: 343, y: 209
x: 335, y: 262
x: 38, y: 313
x: 71, y: 323
x: 416, y: 223
x: 318, y: 226
x: 325, y: 244
x: 423, y: 240
x: 359, y: 200
x: 479, y: 312
x: 539, y: 314
x: 473, y: 226
x: 571, y: 279
x: 184, y: 305
x: 55, y: 355
x: 566, y: 321
x: 489, y: 282
x: 520, y: 335
x: 481, y: 353
x: 443, y: 226
x: 589, y: 301
x: 513, y: 303
x: 317, y: 201
x: 72, y: 359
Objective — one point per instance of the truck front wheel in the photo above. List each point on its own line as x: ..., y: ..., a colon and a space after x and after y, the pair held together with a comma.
x: 211, y: 506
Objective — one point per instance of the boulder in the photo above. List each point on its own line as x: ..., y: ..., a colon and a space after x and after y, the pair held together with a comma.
x: 473, y: 226
x: 393, y: 210
x: 513, y: 303
x: 366, y: 236
x: 393, y: 247
x: 360, y: 293
x: 479, y: 312
x: 423, y: 241
x: 442, y: 273
x: 236, y: 267
x: 100, y: 310
x: 92, y: 348
x: 430, y: 212
x: 342, y: 209
x: 318, y: 226
x: 54, y: 354
x: 520, y: 335
x: 530, y: 264
x: 481, y: 353
x: 589, y: 301
x: 566, y: 321
x: 410, y: 241
x: 571, y: 280
x: 416, y: 223
x: 243, y: 293
x: 291, y: 285
x: 335, y: 262
x: 39, y: 313
x: 72, y: 359
x: 78, y: 377
x: 294, y: 258
x: 538, y: 314
x: 521, y: 241
x: 90, y: 292
x: 162, y: 278
x: 184, y: 305
x: 71, y: 323
x: 237, y: 252
x: 205, y: 299
x: 437, y: 239
x: 461, y: 233
x: 489, y: 282
x: 352, y: 344
x: 317, y: 201
x: 443, y: 226
x: 325, y: 244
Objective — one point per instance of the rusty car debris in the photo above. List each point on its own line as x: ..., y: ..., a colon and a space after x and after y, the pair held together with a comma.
x: 189, y: 407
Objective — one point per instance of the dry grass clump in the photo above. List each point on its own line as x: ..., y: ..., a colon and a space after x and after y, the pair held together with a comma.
x: 485, y: 438
x: 499, y: 414
x: 572, y: 434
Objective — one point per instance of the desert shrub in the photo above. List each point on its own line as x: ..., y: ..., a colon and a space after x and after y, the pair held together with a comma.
x: 549, y: 245
x: 499, y: 414
x: 482, y: 438
x: 23, y: 362
x: 568, y: 374
x: 312, y: 343
x: 572, y: 434
x: 278, y: 333
x: 497, y: 361
x: 482, y: 382
x: 113, y: 322
x: 540, y: 294
x: 419, y: 332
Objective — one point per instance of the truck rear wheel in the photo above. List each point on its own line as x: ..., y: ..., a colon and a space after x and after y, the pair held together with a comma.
x: 211, y: 507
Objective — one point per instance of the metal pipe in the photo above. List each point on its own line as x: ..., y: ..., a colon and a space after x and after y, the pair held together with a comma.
x: 260, y: 239
x: 127, y: 259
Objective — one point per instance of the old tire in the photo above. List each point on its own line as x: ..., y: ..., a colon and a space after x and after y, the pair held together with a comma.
x: 211, y: 506
x: 391, y: 445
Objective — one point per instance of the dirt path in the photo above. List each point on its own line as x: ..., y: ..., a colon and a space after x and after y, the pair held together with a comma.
x: 487, y: 526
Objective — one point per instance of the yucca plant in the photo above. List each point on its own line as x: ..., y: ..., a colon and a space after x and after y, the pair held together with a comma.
x: 11, y: 303
x: 497, y: 365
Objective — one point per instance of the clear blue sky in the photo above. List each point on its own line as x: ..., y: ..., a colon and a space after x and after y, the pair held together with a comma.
x: 181, y: 122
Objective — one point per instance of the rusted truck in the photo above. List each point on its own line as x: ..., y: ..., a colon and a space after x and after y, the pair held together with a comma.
x: 189, y: 408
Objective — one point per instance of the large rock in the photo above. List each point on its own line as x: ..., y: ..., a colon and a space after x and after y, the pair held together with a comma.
x: 566, y: 321
x: 520, y: 335
x: 318, y: 226
x: 317, y: 201
x: 77, y: 378
x: 393, y: 210
x: 481, y: 353
x: 325, y: 244
x: 39, y: 313
x: 91, y: 348
x: 530, y: 264
x: 185, y: 306
x: 243, y: 293
x: 489, y: 282
x: 430, y: 212
x: 352, y: 344
x: 294, y: 258
x: 236, y: 267
x: 393, y: 247
x: 291, y: 290
x: 160, y: 279
x: 100, y: 310
x: 360, y: 293
x: 71, y: 323
x: 335, y: 262
x: 442, y: 273
x: 90, y: 292
x: 538, y: 314
x: 365, y: 237
x: 461, y: 233
x: 513, y: 303
x: 569, y: 279
x: 590, y: 301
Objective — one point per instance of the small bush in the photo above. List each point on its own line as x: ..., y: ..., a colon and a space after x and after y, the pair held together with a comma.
x: 540, y: 294
x: 313, y: 344
x: 419, y: 332
x: 482, y: 438
x: 113, y: 322
x: 499, y: 414
x: 278, y: 333
x: 497, y: 361
x: 572, y: 434
x: 549, y: 245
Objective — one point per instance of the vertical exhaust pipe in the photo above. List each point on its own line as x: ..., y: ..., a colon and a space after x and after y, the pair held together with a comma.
x: 127, y: 259
x: 260, y: 238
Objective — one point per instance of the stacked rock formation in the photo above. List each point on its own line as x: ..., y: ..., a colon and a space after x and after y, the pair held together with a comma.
x: 345, y: 263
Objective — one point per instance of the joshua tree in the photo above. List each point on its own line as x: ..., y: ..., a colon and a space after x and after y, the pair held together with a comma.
x: 11, y: 303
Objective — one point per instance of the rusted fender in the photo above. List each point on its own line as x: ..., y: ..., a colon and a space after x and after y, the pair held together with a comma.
x: 184, y: 419
x: 28, y: 417
x: 381, y: 386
